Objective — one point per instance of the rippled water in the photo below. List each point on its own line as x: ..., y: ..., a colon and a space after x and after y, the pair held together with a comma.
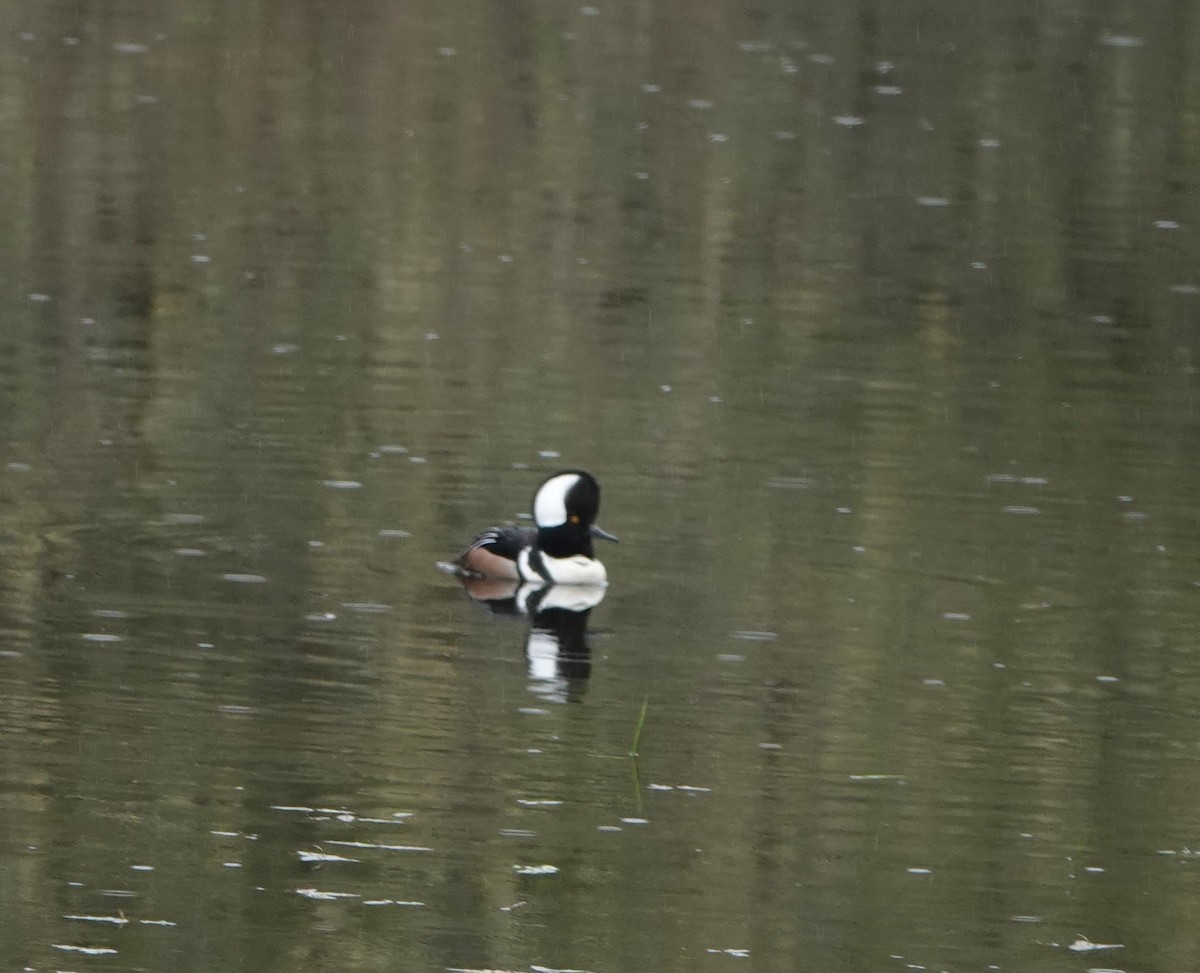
x: 878, y: 328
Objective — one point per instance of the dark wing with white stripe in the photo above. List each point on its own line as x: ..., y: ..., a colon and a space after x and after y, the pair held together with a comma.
x: 493, y: 552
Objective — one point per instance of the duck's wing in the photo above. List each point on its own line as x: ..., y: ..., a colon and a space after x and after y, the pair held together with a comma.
x: 493, y: 552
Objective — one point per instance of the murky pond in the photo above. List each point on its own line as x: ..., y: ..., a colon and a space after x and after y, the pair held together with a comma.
x: 878, y: 326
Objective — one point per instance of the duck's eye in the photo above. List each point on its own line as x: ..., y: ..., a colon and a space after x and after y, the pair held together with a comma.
x: 574, y: 518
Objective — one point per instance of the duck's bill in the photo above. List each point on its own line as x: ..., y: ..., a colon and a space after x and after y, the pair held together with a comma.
x: 603, y: 534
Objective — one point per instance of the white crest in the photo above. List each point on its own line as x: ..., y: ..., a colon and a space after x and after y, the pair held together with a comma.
x: 550, y: 504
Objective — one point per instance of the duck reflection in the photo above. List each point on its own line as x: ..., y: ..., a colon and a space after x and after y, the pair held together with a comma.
x: 556, y: 645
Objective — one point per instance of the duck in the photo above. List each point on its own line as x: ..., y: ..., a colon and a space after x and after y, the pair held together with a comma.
x: 558, y: 550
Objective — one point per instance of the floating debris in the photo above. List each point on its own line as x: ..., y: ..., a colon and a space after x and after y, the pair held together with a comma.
x: 1085, y: 945
x: 115, y: 920
x: 86, y: 950
x: 237, y: 578
x: 326, y: 896
x: 318, y: 856
x: 535, y: 869
x: 343, y: 484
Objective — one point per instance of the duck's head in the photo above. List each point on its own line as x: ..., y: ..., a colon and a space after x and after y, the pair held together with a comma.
x: 565, y: 509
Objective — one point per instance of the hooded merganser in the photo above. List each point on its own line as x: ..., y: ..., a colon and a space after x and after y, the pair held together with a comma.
x: 557, y: 551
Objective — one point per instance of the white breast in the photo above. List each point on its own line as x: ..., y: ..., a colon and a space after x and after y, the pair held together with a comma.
x: 575, y: 570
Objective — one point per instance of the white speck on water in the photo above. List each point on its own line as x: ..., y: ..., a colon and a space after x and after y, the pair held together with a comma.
x: 790, y: 483
x: 394, y: 532
x: 99, y: 637
x: 343, y: 484
x: 244, y: 578
x: 873, y: 777
x: 956, y: 616
x: 379, y: 847
x: 753, y: 636
x: 1125, y: 499
x: 888, y: 89
x: 200, y: 258
x: 659, y: 787
x: 126, y: 48
x: 700, y: 104
x: 1085, y: 945
x: 1022, y: 510
x: 284, y: 348
x: 114, y: 920
x: 86, y: 950
x: 1133, y: 515
x: 549, y: 454
x: 37, y: 298
x: 184, y: 519
x: 1025, y: 919
x: 590, y: 11
x: 326, y: 896
x: 651, y: 89
x: 608, y: 828
x: 664, y: 388
x: 1121, y: 40
x: 417, y: 459
x: 1166, y: 224
x: 859, y: 549
x: 715, y: 400
x: 204, y: 645
x: 318, y: 856
x: 316, y: 545
x: 843, y: 510
x: 1107, y: 679
x: 1184, y: 289
x: 770, y: 746
x: 980, y: 265
x: 535, y: 869
x: 822, y: 58
x: 935, y: 683
x: 932, y: 201
x: 1093, y: 869
x: 505, y: 258
x: 431, y: 336
x: 847, y: 121
x: 729, y: 951
x: 231, y: 864
x: 635, y: 820
x: 109, y: 613
x: 533, y: 802
x: 366, y: 607
x: 718, y: 137
x: 447, y: 51
x: 919, y: 871
x: 693, y: 789
x: 141, y: 868
x: 233, y: 709
x: 516, y: 833
x: 989, y: 143
x: 532, y: 711
x: 391, y: 450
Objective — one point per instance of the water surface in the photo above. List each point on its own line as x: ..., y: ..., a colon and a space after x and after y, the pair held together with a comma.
x: 878, y: 327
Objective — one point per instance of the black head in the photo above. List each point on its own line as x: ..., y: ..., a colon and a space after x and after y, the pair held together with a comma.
x: 565, y: 509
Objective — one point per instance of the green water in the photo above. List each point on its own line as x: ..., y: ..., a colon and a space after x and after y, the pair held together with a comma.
x: 877, y: 325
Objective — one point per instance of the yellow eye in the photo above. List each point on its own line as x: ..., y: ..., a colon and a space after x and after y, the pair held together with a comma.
x: 574, y: 518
